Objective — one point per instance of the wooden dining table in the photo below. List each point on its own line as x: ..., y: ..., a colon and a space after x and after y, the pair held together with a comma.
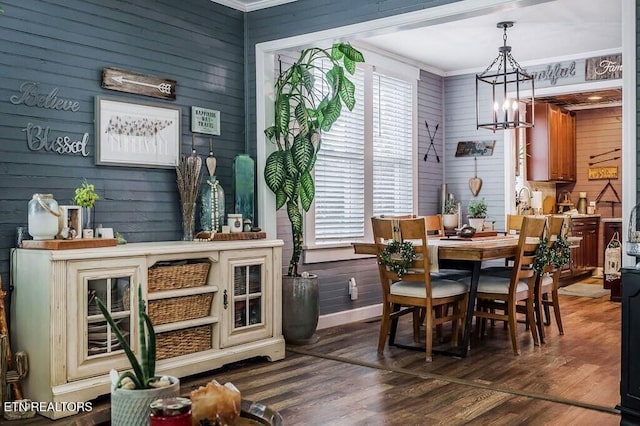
x: 468, y: 254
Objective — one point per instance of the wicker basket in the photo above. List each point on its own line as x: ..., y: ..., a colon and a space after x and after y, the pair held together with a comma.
x: 183, y: 342
x: 170, y: 277
x: 164, y: 311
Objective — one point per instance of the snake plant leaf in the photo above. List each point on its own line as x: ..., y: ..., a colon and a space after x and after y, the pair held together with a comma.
x: 302, y: 117
x: 274, y: 170
x: 350, y: 52
x: 348, y: 93
x: 281, y: 198
x: 307, y: 190
x: 270, y: 133
x: 302, y: 152
x: 283, y: 114
x: 289, y: 164
x: 295, y: 217
x: 151, y: 346
x: 331, y: 113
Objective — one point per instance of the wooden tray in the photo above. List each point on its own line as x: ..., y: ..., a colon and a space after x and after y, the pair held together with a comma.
x: 477, y: 236
x: 77, y: 243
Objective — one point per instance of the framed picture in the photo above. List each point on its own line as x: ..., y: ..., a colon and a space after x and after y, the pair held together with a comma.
x: 137, y: 134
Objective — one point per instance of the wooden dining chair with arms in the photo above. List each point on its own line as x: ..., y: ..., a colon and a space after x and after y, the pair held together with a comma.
x: 498, y: 296
x: 407, y: 287
x: 547, y: 289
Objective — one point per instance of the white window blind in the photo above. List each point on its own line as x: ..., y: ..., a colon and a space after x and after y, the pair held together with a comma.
x: 392, y: 146
x: 339, y: 174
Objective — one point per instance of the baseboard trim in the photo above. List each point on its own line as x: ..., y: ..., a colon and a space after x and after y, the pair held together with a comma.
x: 352, y: 315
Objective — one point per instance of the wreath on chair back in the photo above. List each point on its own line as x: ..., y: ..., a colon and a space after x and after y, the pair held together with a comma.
x: 398, y: 257
x: 556, y: 254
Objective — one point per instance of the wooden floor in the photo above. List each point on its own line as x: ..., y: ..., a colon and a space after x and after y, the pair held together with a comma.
x: 341, y: 380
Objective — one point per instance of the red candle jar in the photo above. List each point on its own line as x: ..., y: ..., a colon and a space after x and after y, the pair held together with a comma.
x: 170, y: 412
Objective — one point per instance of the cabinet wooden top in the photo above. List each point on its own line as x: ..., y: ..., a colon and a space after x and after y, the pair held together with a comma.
x: 155, y: 248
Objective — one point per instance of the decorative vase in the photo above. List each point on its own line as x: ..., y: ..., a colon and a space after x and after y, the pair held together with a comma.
x: 87, y: 217
x: 131, y: 406
x: 188, y: 221
x: 300, y: 309
x: 477, y: 223
x: 43, y: 213
x: 212, y: 205
x: 450, y: 221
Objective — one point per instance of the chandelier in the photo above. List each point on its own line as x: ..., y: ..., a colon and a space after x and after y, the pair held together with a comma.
x: 498, y: 89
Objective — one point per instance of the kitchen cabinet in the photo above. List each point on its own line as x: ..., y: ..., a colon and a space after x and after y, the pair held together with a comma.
x: 229, y: 312
x: 584, y: 258
x: 551, y: 144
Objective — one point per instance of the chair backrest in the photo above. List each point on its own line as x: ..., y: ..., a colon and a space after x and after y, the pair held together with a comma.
x: 555, y: 229
x: 514, y: 223
x: 435, y: 226
x: 414, y: 230
x: 531, y: 234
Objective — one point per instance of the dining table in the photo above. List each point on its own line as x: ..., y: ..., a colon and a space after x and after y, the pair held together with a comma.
x: 463, y: 253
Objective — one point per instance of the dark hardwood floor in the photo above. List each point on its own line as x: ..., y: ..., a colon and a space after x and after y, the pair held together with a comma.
x: 341, y: 380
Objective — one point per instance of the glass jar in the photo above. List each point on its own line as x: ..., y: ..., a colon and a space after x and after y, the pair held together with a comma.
x: 170, y: 412
x: 43, y: 217
x: 234, y: 220
x: 582, y: 203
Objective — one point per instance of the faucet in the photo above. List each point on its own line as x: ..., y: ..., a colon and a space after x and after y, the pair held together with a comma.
x: 523, y: 204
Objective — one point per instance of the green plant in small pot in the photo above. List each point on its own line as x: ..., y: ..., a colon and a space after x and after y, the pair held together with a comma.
x: 134, y: 390
x: 477, y: 213
x: 450, y: 214
x: 86, y: 196
x: 303, y: 110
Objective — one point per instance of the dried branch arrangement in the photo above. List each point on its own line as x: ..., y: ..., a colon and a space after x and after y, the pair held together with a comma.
x: 188, y: 179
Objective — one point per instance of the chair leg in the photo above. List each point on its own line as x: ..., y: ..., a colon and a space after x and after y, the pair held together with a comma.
x: 428, y: 337
x: 545, y: 305
x: 384, y: 326
x: 394, y: 323
x: 531, y: 320
x: 417, y: 321
x: 511, y: 309
x: 556, y: 311
x: 439, y: 313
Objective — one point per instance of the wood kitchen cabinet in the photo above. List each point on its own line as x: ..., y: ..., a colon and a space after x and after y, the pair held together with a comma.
x: 234, y: 312
x: 584, y: 258
x: 551, y: 145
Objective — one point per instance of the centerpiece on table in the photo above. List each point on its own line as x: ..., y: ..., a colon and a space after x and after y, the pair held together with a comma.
x: 477, y: 213
x: 450, y: 214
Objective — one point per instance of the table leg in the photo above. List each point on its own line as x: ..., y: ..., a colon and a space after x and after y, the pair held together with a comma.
x: 473, y: 290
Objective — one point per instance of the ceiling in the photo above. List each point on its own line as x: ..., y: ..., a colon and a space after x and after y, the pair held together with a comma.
x: 548, y: 31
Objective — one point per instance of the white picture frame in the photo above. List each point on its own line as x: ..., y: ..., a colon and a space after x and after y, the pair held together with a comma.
x: 137, y: 134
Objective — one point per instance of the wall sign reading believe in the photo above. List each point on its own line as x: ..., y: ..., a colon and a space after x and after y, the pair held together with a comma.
x: 38, y: 138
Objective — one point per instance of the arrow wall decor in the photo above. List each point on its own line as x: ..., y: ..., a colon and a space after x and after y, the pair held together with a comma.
x: 140, y: 84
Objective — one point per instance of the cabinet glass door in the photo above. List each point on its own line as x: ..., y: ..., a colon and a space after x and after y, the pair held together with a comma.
x: 92, y: 345
x: 247, y: 296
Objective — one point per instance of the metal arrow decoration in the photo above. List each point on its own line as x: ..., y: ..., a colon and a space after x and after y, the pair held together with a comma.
x: 431, y: 145
x: 140, y: 84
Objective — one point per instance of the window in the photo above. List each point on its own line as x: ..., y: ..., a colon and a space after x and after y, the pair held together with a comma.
x: 366, y: 165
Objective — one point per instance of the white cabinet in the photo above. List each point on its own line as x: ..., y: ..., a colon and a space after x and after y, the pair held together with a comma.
x: 203, y: 320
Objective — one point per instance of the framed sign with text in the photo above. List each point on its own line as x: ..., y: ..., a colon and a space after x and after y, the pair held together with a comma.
x: 205, y: 120
x: 136, y: 133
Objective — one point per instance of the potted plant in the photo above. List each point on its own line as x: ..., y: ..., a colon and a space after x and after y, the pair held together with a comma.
x: 477, y: 213
x: 86, y: 196
x: 303, y: 109
x: 450, y: 214
x: 133, y: 391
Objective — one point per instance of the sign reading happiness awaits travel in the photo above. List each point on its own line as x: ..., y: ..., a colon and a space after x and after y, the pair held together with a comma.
x: 205, y: 121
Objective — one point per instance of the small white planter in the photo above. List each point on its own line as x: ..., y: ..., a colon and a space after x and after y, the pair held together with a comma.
x: 477, y: 223
x: 131, y: 407
x: 450, y: 221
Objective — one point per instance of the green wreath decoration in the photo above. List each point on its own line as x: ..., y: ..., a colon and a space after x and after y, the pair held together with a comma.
x: 407, y: 255
x: 557, y: 254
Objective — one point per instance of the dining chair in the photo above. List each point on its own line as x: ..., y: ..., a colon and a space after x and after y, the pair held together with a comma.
x: 547, y: 288
x: 513, y: 224
x: 497, y: 296
x: 415, y: 290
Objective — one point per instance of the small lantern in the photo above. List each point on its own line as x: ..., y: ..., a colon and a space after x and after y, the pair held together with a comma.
x: 633, y: 240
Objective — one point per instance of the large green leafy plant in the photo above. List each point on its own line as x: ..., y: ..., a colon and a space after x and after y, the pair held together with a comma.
x: 304, y: 108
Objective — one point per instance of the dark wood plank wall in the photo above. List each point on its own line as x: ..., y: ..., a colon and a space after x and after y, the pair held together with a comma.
x: 65, y: 44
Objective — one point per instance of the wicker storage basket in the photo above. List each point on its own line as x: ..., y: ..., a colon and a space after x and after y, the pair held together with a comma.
x: 183, y: 342
x: 170, y: 277
x: 164, y: 311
